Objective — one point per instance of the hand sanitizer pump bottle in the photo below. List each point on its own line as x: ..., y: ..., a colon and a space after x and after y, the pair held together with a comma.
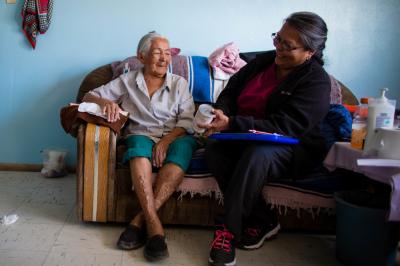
x: 380, y: 115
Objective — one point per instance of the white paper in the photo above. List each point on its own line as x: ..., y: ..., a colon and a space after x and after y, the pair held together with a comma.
x: 379, y: 162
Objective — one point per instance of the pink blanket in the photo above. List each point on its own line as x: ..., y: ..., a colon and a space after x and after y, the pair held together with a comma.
x: 225, y: 61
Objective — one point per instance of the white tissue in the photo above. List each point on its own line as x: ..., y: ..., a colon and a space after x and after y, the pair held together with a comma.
x: 8, y: 219
x: 94, y: 109
x: 91, y: 108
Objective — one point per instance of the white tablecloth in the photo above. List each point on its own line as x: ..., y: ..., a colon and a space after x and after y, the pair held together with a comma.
x: 342, y: 155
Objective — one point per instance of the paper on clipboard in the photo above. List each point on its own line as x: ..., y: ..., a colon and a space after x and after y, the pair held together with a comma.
x: 379, y: 162
x: 255, y: 137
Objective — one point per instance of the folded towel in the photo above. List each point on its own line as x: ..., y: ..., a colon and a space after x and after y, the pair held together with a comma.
x: 225, y: 61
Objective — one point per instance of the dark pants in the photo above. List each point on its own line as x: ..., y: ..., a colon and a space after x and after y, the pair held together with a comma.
x: 241, y: 170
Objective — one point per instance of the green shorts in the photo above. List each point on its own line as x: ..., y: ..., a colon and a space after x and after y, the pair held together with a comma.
x: 179, y: 152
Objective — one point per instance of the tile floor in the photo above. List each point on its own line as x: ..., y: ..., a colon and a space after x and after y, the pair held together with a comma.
x: 48, y: 233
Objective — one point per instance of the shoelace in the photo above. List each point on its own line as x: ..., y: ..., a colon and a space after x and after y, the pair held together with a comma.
x: 222, y: 240
x: 253, y: 231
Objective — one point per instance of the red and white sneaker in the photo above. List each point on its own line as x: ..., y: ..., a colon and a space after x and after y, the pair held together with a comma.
x: 253, y: 238
x: 222, y: 251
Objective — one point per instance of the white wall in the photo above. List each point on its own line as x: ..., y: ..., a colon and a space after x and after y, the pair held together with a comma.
x: 362, y: 51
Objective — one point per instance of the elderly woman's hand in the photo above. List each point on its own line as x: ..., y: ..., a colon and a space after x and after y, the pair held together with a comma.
x: 110, y: 109
x: 160, y: 152
x: 219, y: 123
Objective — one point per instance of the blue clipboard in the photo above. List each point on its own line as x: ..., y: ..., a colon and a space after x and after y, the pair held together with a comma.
x: 255, y: 137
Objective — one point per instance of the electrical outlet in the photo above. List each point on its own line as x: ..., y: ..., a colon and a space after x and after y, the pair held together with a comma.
x: 11, y: 1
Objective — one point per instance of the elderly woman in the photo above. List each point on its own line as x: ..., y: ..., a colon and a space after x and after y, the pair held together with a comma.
x: 286, y: 91
x: 160, y: 110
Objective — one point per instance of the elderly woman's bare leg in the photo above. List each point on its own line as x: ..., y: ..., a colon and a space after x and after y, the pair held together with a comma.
x: 168, y: 179
x: 142, y: 183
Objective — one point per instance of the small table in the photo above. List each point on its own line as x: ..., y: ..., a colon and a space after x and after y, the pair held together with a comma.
x: 342, y: 155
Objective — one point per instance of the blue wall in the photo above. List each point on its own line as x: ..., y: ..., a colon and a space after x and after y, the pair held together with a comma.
x: 362, y: 52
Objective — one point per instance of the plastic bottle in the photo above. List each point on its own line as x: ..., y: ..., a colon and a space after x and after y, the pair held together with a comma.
x: 359, y: 125
x: 380, y: 115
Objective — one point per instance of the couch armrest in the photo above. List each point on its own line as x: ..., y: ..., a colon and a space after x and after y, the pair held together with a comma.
x: 94, y: 79
x: 347, y: 95
x: 96, y: 173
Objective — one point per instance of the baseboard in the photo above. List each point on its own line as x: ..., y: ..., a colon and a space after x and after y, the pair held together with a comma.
x: 28, y: 167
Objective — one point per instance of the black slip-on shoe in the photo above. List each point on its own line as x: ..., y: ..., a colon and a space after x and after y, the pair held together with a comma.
x: 132, y: 237
x: 156, y: 249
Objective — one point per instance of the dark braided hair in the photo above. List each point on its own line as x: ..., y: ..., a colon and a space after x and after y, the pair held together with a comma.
x: 312, y: 30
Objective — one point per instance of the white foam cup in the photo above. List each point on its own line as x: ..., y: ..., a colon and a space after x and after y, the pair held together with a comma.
x: 204, y: 116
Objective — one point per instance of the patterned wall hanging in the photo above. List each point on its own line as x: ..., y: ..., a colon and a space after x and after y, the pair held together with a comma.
x: 36, y: 17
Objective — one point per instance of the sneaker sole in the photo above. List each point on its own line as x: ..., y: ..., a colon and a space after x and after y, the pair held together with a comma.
x: 129, y: 246
x: 270, y: 235
x: 211, y: 262
x: 157, y: 257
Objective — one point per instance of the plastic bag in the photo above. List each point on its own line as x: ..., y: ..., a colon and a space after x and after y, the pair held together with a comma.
x: 8, y: 219
x: 54, y: 163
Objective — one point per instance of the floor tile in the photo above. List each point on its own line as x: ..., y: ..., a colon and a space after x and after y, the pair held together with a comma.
x: 18, y: 186
x: 24, y: 236
x: 181, y: 258
x: 9, y: 204
x: 193, y: 241
x: 57, y: 195
x: 73, y: 258
x: 72, y: 218
x: 300, y: 249
x: 44, y: 213
x: 253, y: 257
x: 21, y: 180
x: 19, y: 258
x: 90, y: 237
x: 48, y: 233
x: 66, y: 183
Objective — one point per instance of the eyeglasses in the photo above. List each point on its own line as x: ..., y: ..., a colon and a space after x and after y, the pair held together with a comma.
x: 277, y: 40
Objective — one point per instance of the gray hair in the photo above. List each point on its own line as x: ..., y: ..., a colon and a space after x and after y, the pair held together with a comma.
x: 145, y: 42
x: 312, y: 30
